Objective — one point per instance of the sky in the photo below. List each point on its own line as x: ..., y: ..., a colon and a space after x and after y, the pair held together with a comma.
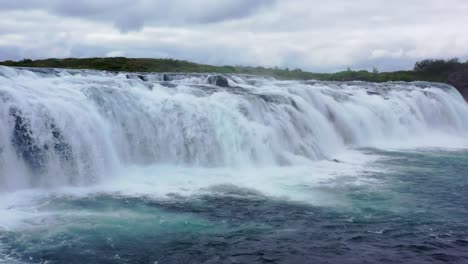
x: 313, y: 35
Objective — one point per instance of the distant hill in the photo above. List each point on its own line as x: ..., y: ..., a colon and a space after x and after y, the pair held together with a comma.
x: 450, y: 71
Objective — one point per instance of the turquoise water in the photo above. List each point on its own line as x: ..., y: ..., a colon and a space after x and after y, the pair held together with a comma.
x: 409, y: 207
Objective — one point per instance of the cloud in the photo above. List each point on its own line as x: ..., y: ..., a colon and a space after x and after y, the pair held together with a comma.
x: 116, y: 53
x: 310, y: 34
x: 130, y: 15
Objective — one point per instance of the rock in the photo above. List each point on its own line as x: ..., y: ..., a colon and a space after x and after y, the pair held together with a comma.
x: 278, y: 99
x: 168, y: 84
x: 373, y: 93
x: 459, y: 80
x: 24, y: 143
x: 137, y: 76
x: 61, y: 147
x: 218, y: 81
x: 166, y: 78
x: 27, y: 148
x: 143, y: 78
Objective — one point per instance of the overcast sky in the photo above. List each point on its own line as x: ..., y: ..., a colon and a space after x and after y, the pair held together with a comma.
x: 316, y: 35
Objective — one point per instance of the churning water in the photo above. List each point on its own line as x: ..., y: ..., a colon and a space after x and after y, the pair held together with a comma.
x: 100, y: 167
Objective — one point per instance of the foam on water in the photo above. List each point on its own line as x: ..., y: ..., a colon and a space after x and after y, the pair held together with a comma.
x: 26, y: 209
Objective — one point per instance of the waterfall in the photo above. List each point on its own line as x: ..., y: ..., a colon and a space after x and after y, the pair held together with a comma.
x: 76, y: 127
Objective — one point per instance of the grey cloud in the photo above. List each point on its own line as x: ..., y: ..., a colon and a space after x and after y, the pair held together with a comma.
x: 133, y: 15
x: 309, y: 34
x: 10, y: 52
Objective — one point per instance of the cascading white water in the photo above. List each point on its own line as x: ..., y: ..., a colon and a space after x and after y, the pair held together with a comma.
x: 65, y: 127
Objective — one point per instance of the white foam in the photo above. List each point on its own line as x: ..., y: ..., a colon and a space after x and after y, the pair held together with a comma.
x: 108, y: 124
x: 306, y: 183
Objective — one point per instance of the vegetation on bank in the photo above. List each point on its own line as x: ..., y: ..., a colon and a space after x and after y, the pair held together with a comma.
x: 426, y: 70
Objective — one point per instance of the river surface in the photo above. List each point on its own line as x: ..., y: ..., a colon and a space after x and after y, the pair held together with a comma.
x: 101, y: 167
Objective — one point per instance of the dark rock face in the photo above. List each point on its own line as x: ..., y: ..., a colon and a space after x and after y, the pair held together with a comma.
x: 23, y: 141
x: 278, y: 99
x: 169, y: 77
x: 459, y: 80
x: 61, y: 147
x: 373, y: 93
x: 137, y: 76
x: 168, y: 84
x: 142, y: 77
x: 34, y: 154
x: 166, y: 78
x: 218, y: 81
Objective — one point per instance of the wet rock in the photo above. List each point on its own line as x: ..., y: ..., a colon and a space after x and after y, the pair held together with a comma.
x: 373, y: 93
x: 24, y: 143
x: 30, y: 151
x: 169, y: 77
x: 218, y: 81
x: 137, y: 76
x: 143, y: 77
x: 168, y: 84
x: 278, y: 99
x: 166, y: 78
x: 61, y: 147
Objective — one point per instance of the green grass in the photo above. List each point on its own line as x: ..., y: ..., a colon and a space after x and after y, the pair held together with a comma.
x: 427, y: 70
